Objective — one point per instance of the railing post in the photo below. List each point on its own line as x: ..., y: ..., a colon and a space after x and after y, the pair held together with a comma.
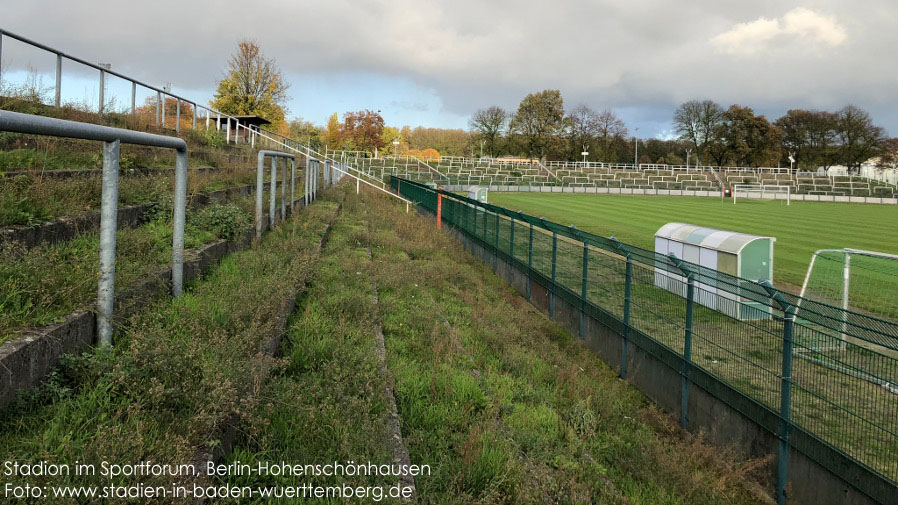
x: 272, y: 200
x: 102, y: 90
x: 133, y: 97
x: 178, y: 116
x: 554, y: 270
x: 284, y: 193
x: 194, y: 116
x: 108, y: 227
x: 58, y: 98
x: 1, y: 57
x: 687, y: 342
x: 292, y: 185
x: 163, y: 112
x: 785, y: 427
x: 178, y: 221
x: 260, y: 182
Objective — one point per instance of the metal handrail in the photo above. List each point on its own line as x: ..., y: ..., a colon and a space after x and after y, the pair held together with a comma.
x: 112, y: 138
x: 272, y: 214
x: 160, y: 105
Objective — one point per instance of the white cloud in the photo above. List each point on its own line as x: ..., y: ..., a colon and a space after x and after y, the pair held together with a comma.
x: 798, y: 25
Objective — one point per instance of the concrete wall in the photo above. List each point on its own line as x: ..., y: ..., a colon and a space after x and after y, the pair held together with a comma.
x: 657, y: 374
x: 66, y: 228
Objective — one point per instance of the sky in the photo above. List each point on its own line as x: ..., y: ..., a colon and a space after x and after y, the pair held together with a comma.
x: 433, y: 63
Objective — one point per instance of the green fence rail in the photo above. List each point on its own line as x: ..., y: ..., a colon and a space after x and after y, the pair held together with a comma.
x: 823, y: 380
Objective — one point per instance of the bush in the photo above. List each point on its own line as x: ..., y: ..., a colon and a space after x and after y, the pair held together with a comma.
x: 224, y: 220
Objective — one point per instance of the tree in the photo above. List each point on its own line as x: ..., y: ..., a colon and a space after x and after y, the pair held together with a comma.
x: 888, y: 158
x: 253, y: 85
x: 859, y: 138
x: 363, y: 130
x: 697, y: 123
x: 305, y: 131
x: 582, y: 126
x: 611, y: 133
x: 746, y: 139
x: 539, y: 119
x: 333, y: 134
x: 489, y: 123
x: 810, y: 137
x: 447, y: 141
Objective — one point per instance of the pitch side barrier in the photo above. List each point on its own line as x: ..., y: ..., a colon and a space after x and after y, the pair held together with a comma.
x: 837, y: 433
x: 112, y: 139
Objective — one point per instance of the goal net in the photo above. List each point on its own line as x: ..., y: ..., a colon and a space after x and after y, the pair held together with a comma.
x: 762, y: 192
x: 855, y: 280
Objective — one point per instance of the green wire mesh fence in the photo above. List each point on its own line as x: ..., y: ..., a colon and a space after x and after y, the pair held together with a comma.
x: 822, y: 379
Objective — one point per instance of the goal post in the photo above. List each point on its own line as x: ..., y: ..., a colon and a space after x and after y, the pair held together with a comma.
x: 854, y: 280
x: 762, y: 192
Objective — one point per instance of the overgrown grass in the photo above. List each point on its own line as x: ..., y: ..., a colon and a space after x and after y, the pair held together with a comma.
x: 45, y: 283
x: 503, y: 404
x: 28, y: 200
x: 325, y: 403
x: 178, y: 370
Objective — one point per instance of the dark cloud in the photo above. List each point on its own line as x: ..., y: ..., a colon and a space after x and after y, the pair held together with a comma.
x: 771, y: 55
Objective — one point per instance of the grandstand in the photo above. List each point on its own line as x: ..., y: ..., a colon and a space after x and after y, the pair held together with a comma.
x: 512, y: 175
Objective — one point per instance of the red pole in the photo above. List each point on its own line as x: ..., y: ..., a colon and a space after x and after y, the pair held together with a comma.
x: 439, y: 210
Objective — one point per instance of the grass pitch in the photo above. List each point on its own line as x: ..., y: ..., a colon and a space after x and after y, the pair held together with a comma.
x: 800, y: 228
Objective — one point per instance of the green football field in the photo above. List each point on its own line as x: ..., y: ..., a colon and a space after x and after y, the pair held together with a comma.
x: 800, y: 228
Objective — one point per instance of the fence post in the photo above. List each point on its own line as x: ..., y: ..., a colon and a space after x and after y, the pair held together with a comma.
x: 554, y: 270
x: 163, y: 112
x: 529, y: 260
x: 628, y: 289
x: 687, y: 342
x: 511, y: 241
x: 194, y: 116
x: 108, y: 226
x: 158, y: 107
x: 785, y: 428
x: 58, y: 99
x: 496, y: 252
x: 178, y: 117
x: 585, y: 283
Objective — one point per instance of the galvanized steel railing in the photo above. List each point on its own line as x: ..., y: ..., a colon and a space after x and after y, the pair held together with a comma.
x: 112, y: 138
